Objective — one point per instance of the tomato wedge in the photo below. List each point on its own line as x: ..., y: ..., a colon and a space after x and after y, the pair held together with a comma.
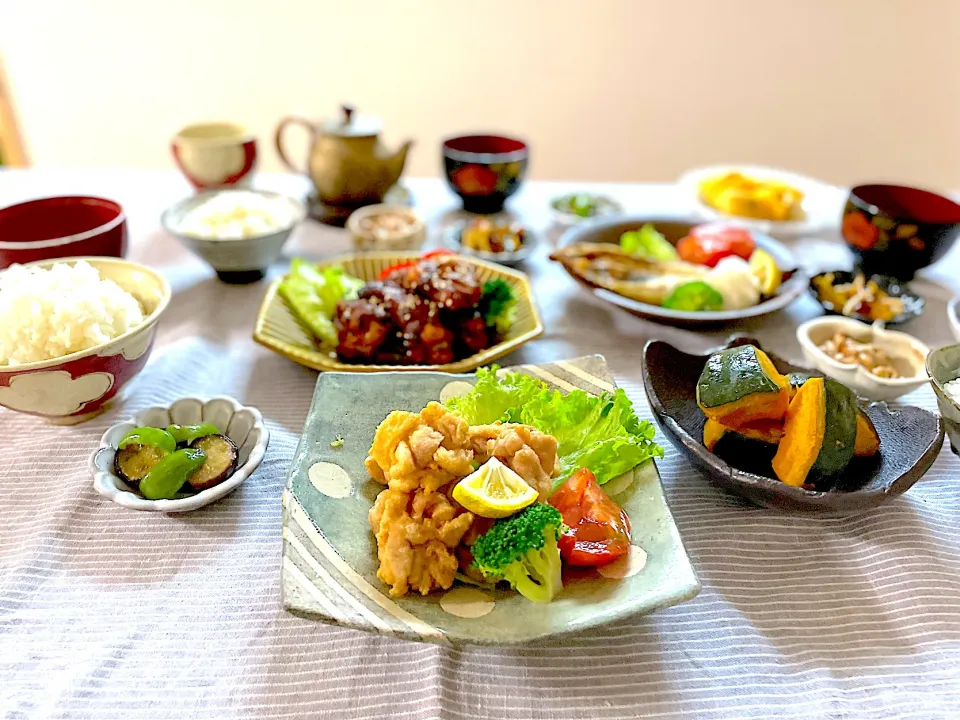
x: 709, y: 244
x: 599, y: 530
x: 387, y: 271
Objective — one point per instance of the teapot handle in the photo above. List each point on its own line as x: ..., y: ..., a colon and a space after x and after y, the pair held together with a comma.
x: 278, y: 139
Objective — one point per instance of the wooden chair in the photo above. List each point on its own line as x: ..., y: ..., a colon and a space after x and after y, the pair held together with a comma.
x: 12, y: 150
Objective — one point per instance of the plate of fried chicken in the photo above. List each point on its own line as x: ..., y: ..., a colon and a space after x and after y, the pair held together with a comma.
x: 378, y: 535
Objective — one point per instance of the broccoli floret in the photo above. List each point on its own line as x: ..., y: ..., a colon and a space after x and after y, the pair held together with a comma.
x: 522, y: 549
x: 498, y: 305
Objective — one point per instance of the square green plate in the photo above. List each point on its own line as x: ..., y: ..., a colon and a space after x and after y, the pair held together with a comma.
x: 329, y: 553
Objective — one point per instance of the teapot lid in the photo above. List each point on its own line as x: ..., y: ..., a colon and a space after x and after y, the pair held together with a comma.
x: 351, y: 124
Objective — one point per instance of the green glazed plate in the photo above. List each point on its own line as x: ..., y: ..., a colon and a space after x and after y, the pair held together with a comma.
x: 329, y: 554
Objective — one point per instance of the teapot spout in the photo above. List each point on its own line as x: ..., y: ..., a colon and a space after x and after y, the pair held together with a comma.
x: 396, y: 161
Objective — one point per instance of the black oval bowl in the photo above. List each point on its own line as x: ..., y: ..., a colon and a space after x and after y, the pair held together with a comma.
x: 910, y: 440
x: 912, y: 304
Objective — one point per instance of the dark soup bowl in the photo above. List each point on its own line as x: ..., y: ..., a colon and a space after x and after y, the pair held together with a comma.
x: 895, y: 230
x: 484, y: 170
x: 910, y: 440
x: 58, y: 227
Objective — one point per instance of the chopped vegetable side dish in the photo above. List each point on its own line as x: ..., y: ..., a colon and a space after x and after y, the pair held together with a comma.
x: 161, y: 463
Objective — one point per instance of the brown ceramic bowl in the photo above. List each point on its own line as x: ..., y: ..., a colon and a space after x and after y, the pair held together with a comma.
x: 896, y: 230
x: 910, y: 440
x: 58, y: 227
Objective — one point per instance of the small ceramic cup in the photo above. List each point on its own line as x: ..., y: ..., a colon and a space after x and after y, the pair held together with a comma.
x: 215, y: 155
x: 943, y: 365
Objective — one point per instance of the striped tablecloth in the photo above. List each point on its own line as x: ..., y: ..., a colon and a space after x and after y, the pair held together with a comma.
x: 111, y: 613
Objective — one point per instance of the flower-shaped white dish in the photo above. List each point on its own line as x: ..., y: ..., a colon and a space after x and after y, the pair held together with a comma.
x: 907, y: 354
x: 243, y: 425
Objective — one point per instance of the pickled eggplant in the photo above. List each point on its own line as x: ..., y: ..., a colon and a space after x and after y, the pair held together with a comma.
x: 222, y: 456
x: 174, y: 470
x: 134, y: 461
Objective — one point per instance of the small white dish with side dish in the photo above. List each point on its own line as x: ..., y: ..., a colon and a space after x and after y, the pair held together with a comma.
x: 875, y: 363
x: 243, y: 425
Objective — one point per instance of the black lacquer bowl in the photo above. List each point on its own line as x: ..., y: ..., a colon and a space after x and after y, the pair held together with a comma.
x: 910, y: 440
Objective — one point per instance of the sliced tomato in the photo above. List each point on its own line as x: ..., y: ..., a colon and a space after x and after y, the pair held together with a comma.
x: 599, y: 530
x: 709, y: 244
x: 387, y: 271
x: 436, y: 253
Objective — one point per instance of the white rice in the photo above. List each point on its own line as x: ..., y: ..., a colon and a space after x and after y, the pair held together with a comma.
x: 48, y: 313
x: 236, y: 215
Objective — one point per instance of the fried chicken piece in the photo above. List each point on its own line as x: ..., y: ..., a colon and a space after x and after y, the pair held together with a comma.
x: 422, y: 532
x: 416, y: 538
x: 530, y: 453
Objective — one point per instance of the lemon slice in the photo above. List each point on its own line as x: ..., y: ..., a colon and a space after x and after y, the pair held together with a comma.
x: 494, y: 491
x: 765, y: 269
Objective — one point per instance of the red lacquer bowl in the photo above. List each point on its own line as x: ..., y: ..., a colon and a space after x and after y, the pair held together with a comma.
x: 76, y: 387
x: 894, y: 230
x: 59, y: 227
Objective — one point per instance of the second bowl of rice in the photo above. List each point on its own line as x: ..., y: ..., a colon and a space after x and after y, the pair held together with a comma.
x: 74, y: 332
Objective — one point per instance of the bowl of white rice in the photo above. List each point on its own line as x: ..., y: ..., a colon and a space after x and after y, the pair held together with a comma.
x: 74, y: 332
x: 239, y: 233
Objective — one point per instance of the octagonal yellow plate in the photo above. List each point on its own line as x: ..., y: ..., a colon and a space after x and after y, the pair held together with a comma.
x: 278, y: 329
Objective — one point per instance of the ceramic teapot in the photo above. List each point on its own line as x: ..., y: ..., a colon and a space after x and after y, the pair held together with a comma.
x: 348, y: 164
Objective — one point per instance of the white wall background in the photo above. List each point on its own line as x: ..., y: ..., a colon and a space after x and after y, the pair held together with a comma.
x: 846, y: 90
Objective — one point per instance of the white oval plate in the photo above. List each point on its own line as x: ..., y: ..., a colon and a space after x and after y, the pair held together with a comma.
x: 243, y: 425
x: 822, y: 203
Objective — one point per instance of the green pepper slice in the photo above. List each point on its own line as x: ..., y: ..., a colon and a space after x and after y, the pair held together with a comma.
x: 149, y: 436
x: 165, y: 479
x: 694, y: 296
x: 186, y: 434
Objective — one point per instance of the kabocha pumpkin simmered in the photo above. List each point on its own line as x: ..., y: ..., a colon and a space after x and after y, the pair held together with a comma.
x: 765, y: 431
x: 868, y: 440
x: 819, y: 435
x: 867, y: 443
x: 740, y: 385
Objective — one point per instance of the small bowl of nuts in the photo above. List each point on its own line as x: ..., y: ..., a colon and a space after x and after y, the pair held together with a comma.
x: 386, y: 227
x: 877, y: 364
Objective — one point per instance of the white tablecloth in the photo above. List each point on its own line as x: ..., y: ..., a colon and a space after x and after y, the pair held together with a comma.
x: 112, y: 613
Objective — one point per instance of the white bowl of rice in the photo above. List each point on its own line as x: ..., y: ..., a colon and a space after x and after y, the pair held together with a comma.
x: 239, y: 233
x: 74, y: 332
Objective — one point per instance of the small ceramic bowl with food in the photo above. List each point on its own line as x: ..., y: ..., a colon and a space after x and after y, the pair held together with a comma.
x: 499, y: 240
x: 179, y: 458
x: 574, y: 208
x: 867, y: 299
x: 767, y: 200
x: 896, y: 230
x: 74, y: 332
x: 943, y: 367
x: 876, y: 364
x: 56, y: 227
x: 239, y: 233
x: 386, y: 227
